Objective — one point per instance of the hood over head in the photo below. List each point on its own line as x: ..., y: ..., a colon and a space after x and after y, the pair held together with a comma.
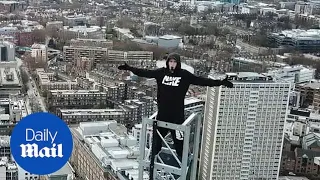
x: 176, y: 57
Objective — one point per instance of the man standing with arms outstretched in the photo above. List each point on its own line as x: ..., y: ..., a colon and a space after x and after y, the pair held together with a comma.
x: 173, y: 84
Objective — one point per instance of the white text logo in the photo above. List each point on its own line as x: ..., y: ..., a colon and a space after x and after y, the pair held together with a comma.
x: 32, y: 150
x: 171, y: 81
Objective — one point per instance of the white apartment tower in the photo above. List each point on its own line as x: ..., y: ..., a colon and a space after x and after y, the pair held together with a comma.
x: 243, y: 128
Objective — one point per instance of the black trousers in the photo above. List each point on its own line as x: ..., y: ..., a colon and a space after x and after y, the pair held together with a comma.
x: 178, y: 144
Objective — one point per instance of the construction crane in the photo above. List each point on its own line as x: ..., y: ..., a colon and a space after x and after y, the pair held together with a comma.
x: 166, y: 165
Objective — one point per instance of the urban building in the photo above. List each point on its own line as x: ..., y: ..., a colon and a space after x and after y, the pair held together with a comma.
x: 75, y: 20
x: 65, y: 173
x: 10, y: 80
x: 5, y: 150
x: 12, y: 110
x: 103, y: 43
x: 8, y: 169
x: 39, y: 52
x: 136, y: 132
x: 92, y: 32
x: 243, y: 128
x: 97, y: 54
x: 193, y: 105
x: 309, y: 94
x: 104, y: 150
x: 75, y: 98
x: 145, y: 106
x: 82, y: 66
x: 306, y: 41
x: 305, y: 162
x: 48, y: 81
x: 114, y: 55
x: 7, y: 51
x: 241, y: 64
x: 85, y: 83
x: 22, y: 174
x: 169, y: 41
x: 76, y: 116
x: 294, y: 74
x: 54, y: 25
x: 123, y: 34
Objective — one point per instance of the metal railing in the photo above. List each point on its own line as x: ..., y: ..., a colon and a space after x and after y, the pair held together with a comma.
x: 190, y: 128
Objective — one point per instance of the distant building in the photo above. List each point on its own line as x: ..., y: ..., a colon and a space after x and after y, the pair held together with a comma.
x: 8, y: 169
x: 169, y: 41
x: 294, y: 74
x: 103, y: 43
x: 7, y: 51
x: 106, y: 149
x: 10, y: 81
x: 306, y: 41
x: 238, y: 125
x: 65, y: 173
x: 39, y: 52
x: 23, y: 174
x: 97, y: 54
x: 75, y: 20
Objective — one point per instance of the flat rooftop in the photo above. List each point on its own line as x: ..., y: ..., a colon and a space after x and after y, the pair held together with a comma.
x: 9, y: 76
x: 248, y: 77
x: 76, y: 92
x: 86, y: 112
x: 110, y: 145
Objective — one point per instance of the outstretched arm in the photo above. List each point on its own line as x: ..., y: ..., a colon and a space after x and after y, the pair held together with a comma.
x: 202, y: 81
x: 145, y: 72
x: 141, y: 72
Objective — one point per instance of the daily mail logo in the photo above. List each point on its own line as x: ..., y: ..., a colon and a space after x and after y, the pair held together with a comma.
x: 33, y: 150
x: 41, y: 138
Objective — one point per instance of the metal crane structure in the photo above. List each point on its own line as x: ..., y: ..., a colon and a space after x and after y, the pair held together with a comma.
x: 159, y: 166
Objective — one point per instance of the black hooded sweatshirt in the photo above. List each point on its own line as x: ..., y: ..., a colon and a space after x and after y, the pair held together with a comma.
x: 172, y: 88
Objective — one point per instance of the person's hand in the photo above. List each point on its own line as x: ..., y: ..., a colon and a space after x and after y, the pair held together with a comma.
x: 124, y: 67
x: 227, y: 83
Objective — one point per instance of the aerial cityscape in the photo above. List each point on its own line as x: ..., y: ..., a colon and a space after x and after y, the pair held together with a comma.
x: 75, y: 59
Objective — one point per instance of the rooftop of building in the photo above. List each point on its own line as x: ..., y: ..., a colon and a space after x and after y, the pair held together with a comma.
x: 9, y: 77
x: 39, y: 46
x: 85, y: 47
x: 294, y: 68
x: 311, y: 85
x: 5, y: 161
x: 76, y: 92
x: 75, y: 16
x: 310, y: 34
x: 247, y: 77
x: 169, y: 37
x: 131, y: 52
x: 110, y: 145
x: 269, y: 63
x: 307, y: 153
x: 83, y: 29
x: 5, y: 141
x: 91, y: 40
x: 91, y: 111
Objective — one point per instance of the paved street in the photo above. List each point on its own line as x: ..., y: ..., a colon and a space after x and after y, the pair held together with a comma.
x: 35, y: 99
x: 34, y: 96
